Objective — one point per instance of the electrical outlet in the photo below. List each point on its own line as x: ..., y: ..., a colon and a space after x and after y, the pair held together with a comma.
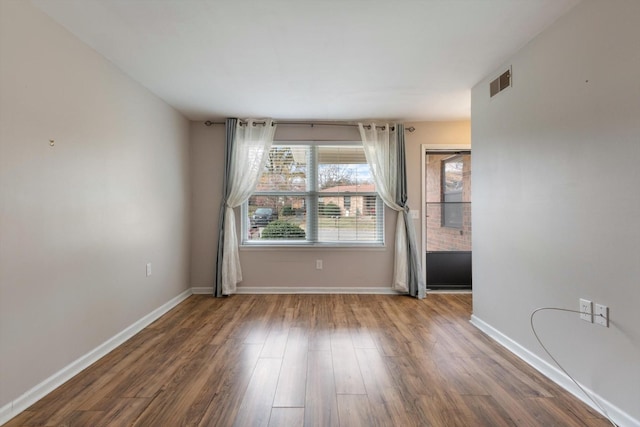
x: 318, y: 264
x: 586, y: 310
x: 602, y: 315
x: 148, y: 269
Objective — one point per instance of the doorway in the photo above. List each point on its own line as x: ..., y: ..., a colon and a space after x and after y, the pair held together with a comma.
x: 447, y: 219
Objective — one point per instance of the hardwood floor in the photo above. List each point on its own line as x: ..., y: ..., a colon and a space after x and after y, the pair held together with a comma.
x: 312, y: 360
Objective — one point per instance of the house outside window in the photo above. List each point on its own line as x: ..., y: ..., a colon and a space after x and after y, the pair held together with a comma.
x: 314, y: 193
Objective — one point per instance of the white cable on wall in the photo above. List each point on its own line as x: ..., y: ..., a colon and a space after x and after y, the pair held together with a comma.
x: 533, y: 329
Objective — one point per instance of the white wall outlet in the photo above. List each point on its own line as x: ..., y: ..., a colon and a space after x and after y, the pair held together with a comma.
x: 148, y: 269
x: 586, y: 310
x: 601, y: 315
x: 318, y: 264
x: 415, y: 214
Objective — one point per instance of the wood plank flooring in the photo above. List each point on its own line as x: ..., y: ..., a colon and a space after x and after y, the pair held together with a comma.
x: 311, y: 360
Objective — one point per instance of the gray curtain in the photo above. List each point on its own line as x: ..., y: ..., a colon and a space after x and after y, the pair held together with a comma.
x: 226, y: 189
x: 416, y: 282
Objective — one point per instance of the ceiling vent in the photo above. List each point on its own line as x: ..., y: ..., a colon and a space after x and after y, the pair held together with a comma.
x: 500, y: 83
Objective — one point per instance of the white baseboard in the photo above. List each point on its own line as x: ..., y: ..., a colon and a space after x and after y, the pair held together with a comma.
x: 556, y: 375
x: 202, y: 290
x: 253, y: 290
x: 315, y: 290
x: 18, y: 405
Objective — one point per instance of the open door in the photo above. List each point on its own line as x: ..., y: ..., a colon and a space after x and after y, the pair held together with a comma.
x: 448, y: 219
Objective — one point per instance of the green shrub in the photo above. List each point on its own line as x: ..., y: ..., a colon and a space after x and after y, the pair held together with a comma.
x: 283, y: 230
x: 288, y: 211
x: 330, y: 209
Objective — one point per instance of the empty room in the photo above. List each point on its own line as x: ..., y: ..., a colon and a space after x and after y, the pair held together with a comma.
x: 319, y: 213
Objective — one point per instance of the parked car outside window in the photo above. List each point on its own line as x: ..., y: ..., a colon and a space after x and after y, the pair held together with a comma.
x: 263, y: 216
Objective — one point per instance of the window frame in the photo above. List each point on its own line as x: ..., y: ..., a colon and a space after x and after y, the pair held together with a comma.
x: 312, y: 196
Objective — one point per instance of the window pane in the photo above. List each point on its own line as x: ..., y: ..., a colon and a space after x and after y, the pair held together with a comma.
x: 343, y: 169
x: 337, y: 223
x: 276, y: 218
x: 452, y: 172
x: 286, y: 169
x: 452, y: 191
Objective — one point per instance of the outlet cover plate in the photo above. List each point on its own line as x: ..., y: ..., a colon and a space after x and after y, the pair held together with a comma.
x: 602, y: 315
x: 586, y: 310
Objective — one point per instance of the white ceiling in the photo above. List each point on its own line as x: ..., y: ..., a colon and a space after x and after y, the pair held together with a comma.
x: 309, y: 59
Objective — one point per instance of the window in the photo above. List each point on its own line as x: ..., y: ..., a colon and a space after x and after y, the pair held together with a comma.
x: 452, y: 185
x: 347, y: 203
x: 314, y: 193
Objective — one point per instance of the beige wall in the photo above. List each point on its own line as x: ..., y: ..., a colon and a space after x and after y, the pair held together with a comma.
x: 556, y: 202
x: 79, y: 221
x: 296, y: 267
x: 206, y: 167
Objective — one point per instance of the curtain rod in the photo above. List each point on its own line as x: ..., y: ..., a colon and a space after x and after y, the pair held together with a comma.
x: 312, y: 124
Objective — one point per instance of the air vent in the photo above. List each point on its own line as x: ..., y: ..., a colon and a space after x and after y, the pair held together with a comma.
x: 500, y: 83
